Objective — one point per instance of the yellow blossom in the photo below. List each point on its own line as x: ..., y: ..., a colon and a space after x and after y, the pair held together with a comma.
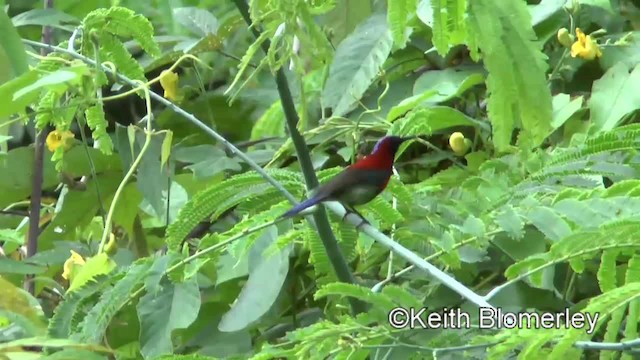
x: 585, y: 47
x: 74, y: 260
x: 169, y: 82
x: 56, y: 138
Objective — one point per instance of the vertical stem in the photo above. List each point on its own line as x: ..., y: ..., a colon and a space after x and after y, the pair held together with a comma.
x: 38, y: 174
x: 322, y: 221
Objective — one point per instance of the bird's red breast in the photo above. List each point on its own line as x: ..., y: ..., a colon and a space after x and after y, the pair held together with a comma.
x: 380, y: 159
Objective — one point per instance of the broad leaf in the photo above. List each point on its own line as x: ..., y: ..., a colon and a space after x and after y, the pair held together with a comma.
x: 564, y: 108
x: 447, y: 83
x: 266, y: 277
x: 198, y: 21
x: 615, y: 95
x: 46, y: 17
x: 174, y: 306
x: 358, y: 60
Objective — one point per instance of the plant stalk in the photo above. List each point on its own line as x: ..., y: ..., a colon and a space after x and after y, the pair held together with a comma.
x: 323, y: 226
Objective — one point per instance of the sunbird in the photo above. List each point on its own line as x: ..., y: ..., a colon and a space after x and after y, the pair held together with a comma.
x: 359, y: 183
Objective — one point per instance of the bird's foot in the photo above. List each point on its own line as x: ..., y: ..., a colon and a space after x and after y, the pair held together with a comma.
x: 362, y: 223
x: 354, y: 211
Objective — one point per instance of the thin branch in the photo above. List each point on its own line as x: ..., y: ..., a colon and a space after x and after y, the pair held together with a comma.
x: 38, y: 173
x: 612, y: 346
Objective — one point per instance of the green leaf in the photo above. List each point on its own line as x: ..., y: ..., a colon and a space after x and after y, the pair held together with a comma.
x: 42, y: 342
x: 10, y: 266
x: 127, y: 207
x: 58, y: 81
x: 13, y: 63
x: 95, y: 323
x: 430, y: 120
x: 549, y: 222
x: 271, y: 123
x: 68, y: 312
x: 564, y: 108
x: 46, y: 17
x: 11, y: 236
x: 356, y: 64
x: 409, y: 104
x: 18, y: 304
x: 174, y: 306
x: 98, y: 265
x: 346, y: 15
x: 517, y: 81
x: 614, y: 95
x: 266, y: 277
x: 78, y: 209
x: 13, y: 58
x: 510, y: 222
x: 166, y: 148
x: 206, y: 160
x: 473, y: 226
x: 425, y: 12
x: 8, y: 90
x: 398, y: 15
x: 603, y: 4
x: 449, y: 27
x: 447, y: 83
x: 628, y: 54
x: 198, y: 21
x: 544, y: 10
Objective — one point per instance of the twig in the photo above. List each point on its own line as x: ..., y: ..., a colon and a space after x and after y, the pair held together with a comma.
x: 612, y: 346
x: 129, y: 174
x: 38, y: 174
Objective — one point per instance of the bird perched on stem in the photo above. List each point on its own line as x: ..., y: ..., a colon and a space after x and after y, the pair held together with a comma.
x: 359, y: 183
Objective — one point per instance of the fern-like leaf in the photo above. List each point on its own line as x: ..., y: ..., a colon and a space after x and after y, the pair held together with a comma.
x: 122, y: 22
x: 517, y: 83
x: 98, y: 124
x: 216, y: 198
x: 67, y: 314
x: 449, y: 27
x: 97, y: 320
x: 398, y: 15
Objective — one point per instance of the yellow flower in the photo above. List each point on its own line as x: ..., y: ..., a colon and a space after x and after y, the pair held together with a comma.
x: 169, y: 82
x: 57, y: 138
x: 74, y: 260
x: 585, y: 47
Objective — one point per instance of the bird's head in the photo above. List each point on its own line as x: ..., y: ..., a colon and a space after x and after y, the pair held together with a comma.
x: 389, y: 145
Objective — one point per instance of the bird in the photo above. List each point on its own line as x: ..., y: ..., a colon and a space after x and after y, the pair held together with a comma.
x: 359, y: 183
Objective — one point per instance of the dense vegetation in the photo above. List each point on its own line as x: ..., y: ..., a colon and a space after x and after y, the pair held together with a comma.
x: 148, y: 149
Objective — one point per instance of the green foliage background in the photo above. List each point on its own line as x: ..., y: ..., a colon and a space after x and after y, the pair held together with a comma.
x: 182, y: 258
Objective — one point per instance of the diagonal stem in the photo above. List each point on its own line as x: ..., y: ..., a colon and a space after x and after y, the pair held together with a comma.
x: 323, y: 226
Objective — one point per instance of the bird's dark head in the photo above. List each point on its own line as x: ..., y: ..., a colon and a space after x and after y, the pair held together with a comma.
x: 390, y: 144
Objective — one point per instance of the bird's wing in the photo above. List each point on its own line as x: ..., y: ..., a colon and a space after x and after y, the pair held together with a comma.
x: 350, y: 178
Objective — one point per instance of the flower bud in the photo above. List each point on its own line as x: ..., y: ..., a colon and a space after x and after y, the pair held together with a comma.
x: 565, y: 38
x: 459, y: 144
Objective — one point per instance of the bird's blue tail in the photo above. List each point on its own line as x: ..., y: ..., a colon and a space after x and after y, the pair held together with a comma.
x: 303, y: 205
